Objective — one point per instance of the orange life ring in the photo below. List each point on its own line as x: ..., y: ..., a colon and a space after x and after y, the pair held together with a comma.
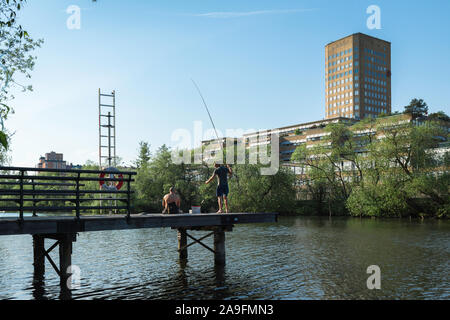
x: 113, y: 186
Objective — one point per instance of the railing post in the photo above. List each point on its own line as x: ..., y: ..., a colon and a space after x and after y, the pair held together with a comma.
x: 129, y: 196
x: 77, y: 200
x: 34, y: 198
x: 22, y: 173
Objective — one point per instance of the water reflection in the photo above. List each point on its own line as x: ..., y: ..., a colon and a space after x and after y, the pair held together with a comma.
x: 65, y: 294
x: 38, y: 287
x: 182, y: 273
x: 219, y: 272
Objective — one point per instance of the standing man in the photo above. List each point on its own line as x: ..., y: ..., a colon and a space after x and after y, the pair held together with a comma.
x: 222, y: 187
x: 171, y: 202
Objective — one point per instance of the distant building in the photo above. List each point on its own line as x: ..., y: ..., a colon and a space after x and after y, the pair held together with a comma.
x: 310, y: 134
x: 357, y: 77
x: 53, y: 160
x: 215, y: 146
x: 290, y: 137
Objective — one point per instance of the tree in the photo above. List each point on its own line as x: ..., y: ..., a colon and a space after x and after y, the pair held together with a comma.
x: 405, y: 176
x: 154, y: 179
x: 333, y: 159
x: 417, y: 108
x: 15, y: 58
x: 144, y: 155
x: 254, y: 192
x: 378, y: 167
x: 251, y: 192
x: 440, y: 115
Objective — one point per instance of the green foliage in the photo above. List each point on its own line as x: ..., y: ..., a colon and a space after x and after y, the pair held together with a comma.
x: 4, y: 153
x: 443, y: 212
x: 417, y: 108
x: 376, y: 200
x: 159, y: 173
x: 144, y: 154
x: 249, y: 190
x: 393, y: 171
x: 3, y: 139
x: 323, y: 162
x: 405, y: 176
x: 388, y: 171
x: 440, y: 115
x: 254, y: 192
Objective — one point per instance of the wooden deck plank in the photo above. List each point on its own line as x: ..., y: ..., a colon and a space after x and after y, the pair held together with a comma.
x: 68, y: 224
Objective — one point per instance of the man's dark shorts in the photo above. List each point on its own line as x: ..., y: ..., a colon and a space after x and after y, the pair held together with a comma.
x: 222, y: 190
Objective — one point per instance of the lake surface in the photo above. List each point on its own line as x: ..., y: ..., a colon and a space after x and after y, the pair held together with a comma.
x: 296, y: 258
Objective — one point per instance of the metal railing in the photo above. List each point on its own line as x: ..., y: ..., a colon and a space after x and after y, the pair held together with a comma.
x: 63, y: 190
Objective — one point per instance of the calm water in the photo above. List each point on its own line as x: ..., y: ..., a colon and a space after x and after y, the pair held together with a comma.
x: 296, y: 258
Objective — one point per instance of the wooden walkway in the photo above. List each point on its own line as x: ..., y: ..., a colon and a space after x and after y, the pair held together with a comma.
x: 70, y: 224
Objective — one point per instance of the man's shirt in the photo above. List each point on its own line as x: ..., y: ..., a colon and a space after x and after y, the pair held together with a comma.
x: 222, y: 174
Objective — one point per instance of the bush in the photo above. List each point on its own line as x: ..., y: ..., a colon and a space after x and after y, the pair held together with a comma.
x: 378, y: 201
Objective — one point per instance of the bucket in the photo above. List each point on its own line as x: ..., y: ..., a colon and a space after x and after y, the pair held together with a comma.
x: 196, y: 209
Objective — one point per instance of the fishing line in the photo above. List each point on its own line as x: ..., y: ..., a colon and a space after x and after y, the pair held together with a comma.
x: 207, y: 110
x: 210, y: 118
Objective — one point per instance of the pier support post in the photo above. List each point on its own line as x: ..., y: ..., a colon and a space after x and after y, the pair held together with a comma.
x: 182, y: 244
x: 219, y: 247
x: 65, y: 257
x: 38, y: 256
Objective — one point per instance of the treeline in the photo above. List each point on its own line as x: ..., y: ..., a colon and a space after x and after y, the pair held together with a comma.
x: 384, y: 167
x: 350, y: 172
x: 380, y: 167
x: 249, y: 190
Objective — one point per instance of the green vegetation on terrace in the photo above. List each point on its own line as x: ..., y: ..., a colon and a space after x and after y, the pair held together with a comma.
x: 381, y: 167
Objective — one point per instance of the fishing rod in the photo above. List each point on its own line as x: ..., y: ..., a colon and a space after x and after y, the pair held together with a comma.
x: 210, y: 118
x: 207, y: 110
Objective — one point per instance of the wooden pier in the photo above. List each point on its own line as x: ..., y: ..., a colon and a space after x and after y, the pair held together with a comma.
x: 63, y: 230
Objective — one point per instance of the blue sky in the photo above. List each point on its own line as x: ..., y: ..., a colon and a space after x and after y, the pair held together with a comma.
x: 259, y: 64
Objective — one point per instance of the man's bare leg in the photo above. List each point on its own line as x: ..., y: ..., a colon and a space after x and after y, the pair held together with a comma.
x: 226, y: 203
x: 219, y: 200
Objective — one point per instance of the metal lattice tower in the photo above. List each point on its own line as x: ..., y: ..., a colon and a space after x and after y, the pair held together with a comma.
x: 106, y: 129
